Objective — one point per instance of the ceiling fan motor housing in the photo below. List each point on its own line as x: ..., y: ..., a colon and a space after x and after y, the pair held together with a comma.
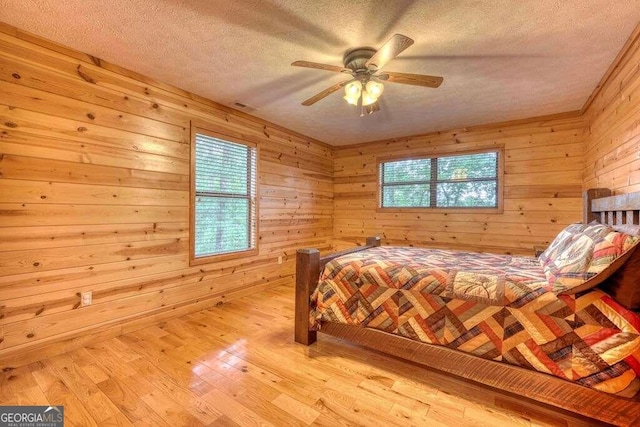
x: 355, y: 59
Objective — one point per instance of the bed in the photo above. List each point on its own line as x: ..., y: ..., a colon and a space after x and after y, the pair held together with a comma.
x: 514, y: 323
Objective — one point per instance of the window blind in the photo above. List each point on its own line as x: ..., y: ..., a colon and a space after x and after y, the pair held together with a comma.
x: 456, y: 181
x: 225, y: 196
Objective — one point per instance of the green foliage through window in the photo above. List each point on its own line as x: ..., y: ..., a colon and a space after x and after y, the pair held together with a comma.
x: 456, y: 181
x: 225, y: 184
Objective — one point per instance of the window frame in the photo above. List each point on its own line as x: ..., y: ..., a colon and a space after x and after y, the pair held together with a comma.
x: 476, y: 209
x: 198, y: 128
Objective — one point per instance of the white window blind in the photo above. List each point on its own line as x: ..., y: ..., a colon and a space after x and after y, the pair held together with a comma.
x: 456, y: 181
x: 225, y: 196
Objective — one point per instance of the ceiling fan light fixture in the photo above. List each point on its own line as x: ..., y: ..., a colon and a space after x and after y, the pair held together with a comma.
x: 353, y: 89
x: 367, y: 98
x: 370, y: 109
x: 363, y: 64
x: 374, y: 88
x: 353, y: 100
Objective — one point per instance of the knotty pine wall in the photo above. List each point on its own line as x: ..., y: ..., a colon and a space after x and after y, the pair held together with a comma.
x: 94, y: 191
x: 542, y: 188
x: 612, y: 132
x: 94, y: 196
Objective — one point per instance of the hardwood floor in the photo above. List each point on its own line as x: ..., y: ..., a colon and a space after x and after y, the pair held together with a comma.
x: 237, y: 364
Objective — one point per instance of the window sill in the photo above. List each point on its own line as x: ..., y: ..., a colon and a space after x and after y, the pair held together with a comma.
x: 497, y: 210
x: 222, y: 257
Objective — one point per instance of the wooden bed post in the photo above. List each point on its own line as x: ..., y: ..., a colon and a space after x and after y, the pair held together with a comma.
x: 307, y: 275
x: 373, y: 241
x: 587, y: 197
x: 308, y: 265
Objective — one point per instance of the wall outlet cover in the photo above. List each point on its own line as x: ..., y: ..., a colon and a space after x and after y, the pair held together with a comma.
x: 87, y: 298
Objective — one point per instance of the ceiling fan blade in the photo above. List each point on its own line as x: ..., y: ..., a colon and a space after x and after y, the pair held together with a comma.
x: 411, y: 79
x: 328, y: 91
x: 317, y: 66
x: 392, y: 48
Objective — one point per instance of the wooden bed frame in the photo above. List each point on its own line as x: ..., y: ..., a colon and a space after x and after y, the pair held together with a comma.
x: 599, y: 205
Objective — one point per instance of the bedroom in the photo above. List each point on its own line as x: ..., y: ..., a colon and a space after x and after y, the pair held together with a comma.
x: 103, y: 309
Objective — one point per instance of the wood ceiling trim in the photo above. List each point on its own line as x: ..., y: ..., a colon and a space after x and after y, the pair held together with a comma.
x: 622, y: 55
x: 558, y: 116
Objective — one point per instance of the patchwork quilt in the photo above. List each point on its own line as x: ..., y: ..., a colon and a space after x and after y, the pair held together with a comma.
x: 497, y: 307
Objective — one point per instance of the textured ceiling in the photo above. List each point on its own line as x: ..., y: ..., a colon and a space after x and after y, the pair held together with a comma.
x: 500, y: 59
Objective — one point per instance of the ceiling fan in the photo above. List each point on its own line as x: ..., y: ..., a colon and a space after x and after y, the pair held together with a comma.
x: 364, y: 64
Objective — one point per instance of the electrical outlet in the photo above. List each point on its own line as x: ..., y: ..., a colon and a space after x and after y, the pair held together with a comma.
x: 86, y: 298
x: 280, y: 259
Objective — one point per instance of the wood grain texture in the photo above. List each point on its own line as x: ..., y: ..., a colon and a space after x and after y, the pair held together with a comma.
x: 321, y: 95
x: 94, y: 196
x: 588, y: 197
x: 307, y: 274
x: 389, y: 50
x: 612, y: 132
x: 542, y: 188
x: 412, y: 79
x: 217, y: 367
x: 318, y: 66
x: 513, y: 379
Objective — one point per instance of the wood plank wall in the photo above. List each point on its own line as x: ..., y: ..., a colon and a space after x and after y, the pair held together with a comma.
x: 94, y: 191
x: 94, y: 196
x: 542, y: 188
x: 612, y: 133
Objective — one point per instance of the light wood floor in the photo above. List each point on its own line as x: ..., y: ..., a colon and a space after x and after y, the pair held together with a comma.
x: 236, y: 364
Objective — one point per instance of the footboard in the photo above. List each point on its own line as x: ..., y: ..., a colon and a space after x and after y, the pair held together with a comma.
x: 309, y: 264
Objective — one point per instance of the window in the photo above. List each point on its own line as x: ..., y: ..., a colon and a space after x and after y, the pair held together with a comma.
x: 449, y: 181
x: 223, y: 197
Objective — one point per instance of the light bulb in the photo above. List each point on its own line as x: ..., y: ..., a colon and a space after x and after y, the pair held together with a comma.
x: 353, y: 88
x: 353, y: 100
x: 375, y: 88
x: 367, y: 99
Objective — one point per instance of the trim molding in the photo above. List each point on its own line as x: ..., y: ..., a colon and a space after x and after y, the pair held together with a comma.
x: 29, y: 353
x: 576, y: 114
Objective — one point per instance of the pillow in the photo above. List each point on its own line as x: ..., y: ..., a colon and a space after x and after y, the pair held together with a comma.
x: 624, y: 284
x: 630, y: 229
x: 564, y: 240
x: 583, y: 255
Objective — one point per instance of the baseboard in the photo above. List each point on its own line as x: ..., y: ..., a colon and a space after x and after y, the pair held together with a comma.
x: 25, y: 354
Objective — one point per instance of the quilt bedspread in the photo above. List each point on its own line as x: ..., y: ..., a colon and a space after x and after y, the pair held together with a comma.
x: 498, y: 307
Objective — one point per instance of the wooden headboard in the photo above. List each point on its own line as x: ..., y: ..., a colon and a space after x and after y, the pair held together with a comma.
x: 601, y: 206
